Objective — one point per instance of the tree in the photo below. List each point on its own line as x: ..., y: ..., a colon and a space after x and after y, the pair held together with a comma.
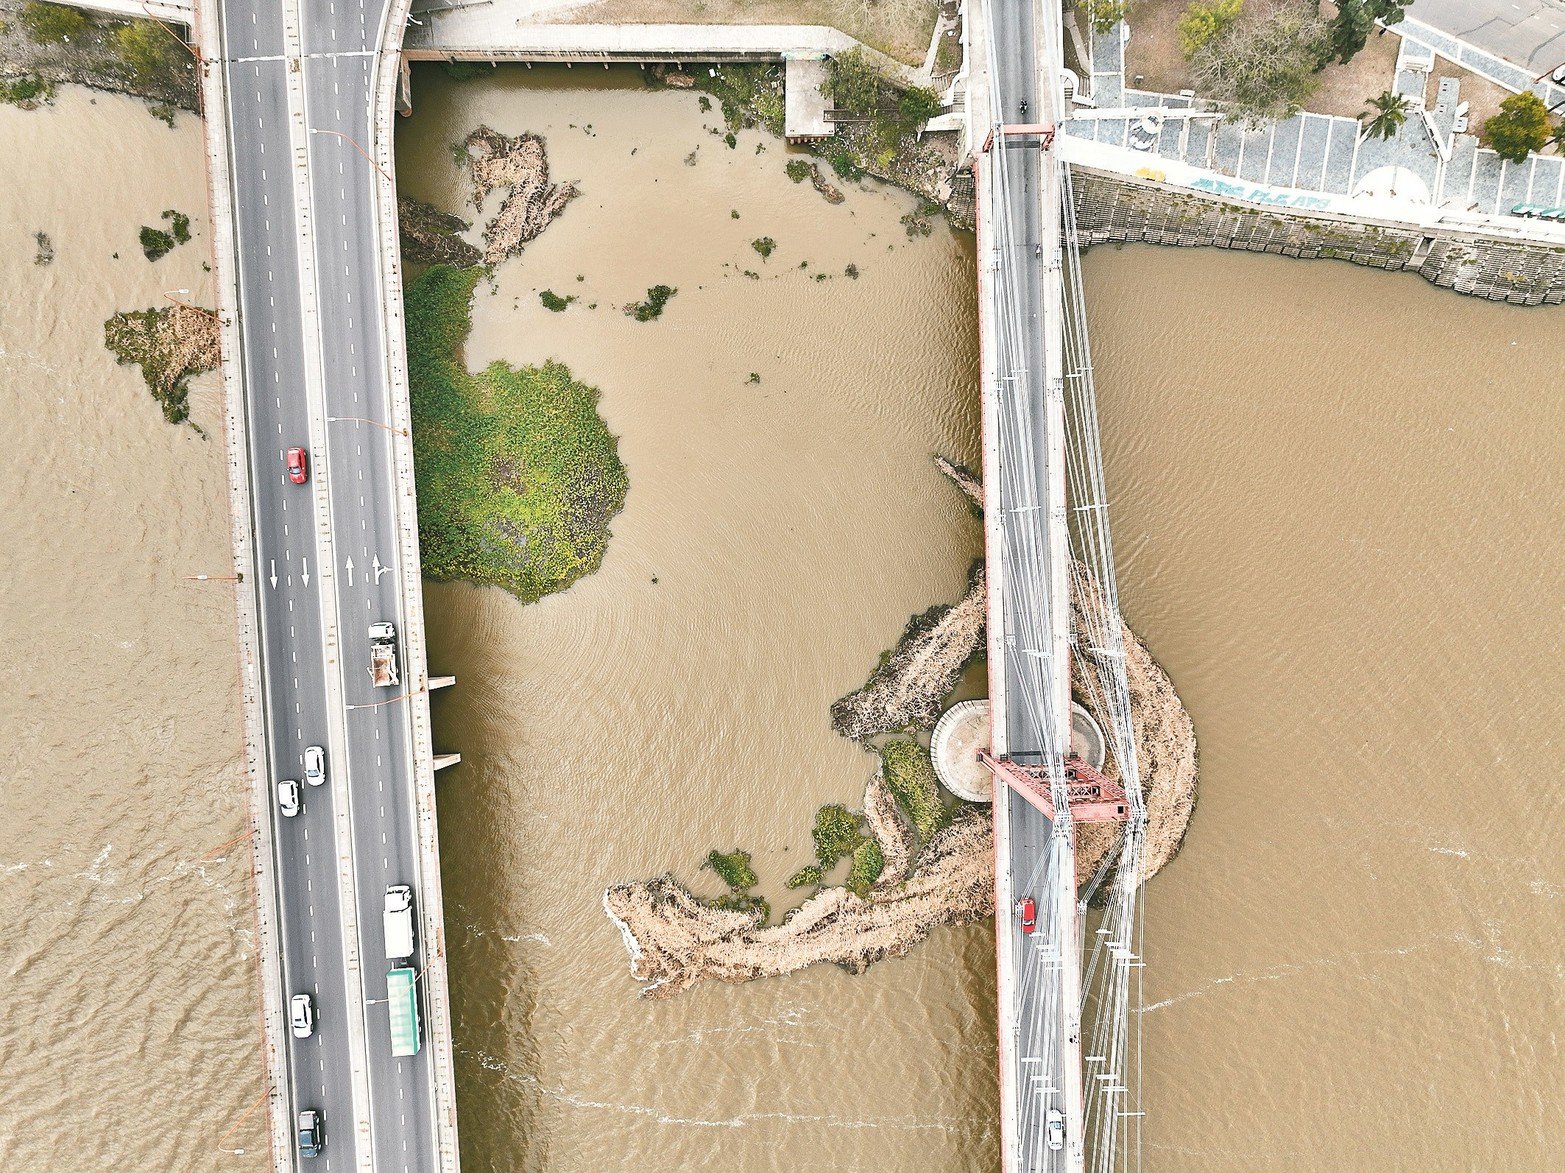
x: 1204, y: 21
x: 1521, y: 127
x: 49, y: 24
x: 1354, y: 21
x: 1386, y: 114
x: 1263, y: 66
x: 1105, y: 14
x: 854, y: 82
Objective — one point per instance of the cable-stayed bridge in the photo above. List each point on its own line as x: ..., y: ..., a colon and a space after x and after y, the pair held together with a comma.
x: 1069, y: 956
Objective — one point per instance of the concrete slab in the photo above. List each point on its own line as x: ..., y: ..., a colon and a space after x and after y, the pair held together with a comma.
x: 804, y: 109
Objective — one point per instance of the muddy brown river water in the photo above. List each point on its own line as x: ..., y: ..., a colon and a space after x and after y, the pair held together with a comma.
x: 1337, y: 516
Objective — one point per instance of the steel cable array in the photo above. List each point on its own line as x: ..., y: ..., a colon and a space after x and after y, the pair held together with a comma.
x: 1111, y: 985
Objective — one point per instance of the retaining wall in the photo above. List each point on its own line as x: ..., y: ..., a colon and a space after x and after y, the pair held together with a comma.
x: 1120, y: 208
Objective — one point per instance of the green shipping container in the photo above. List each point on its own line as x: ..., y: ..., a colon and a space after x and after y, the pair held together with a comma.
x: 402, y: 996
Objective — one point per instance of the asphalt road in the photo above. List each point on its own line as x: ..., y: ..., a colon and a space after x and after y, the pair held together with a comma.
x: 1529, y: 33
x: 302, y: 626
x: 1026, y: 479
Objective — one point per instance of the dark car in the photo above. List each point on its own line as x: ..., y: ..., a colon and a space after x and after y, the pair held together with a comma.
x: 312, y: 1133
x: 298, y: 466
x: 1029, y: 910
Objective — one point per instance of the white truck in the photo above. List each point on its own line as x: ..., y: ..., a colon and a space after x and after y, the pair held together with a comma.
x: 383, y: 654
x: 398, y: 922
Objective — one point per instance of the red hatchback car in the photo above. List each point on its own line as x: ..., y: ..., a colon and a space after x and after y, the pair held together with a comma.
x: 1029, y: 910
x: 298, y: 466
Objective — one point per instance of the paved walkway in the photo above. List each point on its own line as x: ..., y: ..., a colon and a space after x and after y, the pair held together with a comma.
x: 1325, y: 153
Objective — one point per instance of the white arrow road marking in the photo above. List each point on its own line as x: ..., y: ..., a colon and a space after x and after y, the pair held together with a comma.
x: 379, y: 569
x: 349, y: 568
x: 306, y: 562
x: 274, y: 574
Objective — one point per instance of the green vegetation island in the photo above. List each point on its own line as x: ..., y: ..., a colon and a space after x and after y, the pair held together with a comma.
x: 518, y: 476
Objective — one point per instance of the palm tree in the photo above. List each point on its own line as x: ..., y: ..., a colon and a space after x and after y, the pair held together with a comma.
x: 1386, y: 114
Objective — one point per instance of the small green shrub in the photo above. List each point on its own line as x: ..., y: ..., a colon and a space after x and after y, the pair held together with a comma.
x: 765, y: 245
x: 25, y: 91
x: 868, y: 863
x: 179, y: 226
x: 155, y: 243
x: 651, y: 309
x: 910, y: 776
x: 553, y: 302
x: 50, y: 24
x: 798, y: 170
x: 809, y: 876
x: 733, y: 868
x: 149, y: 49
x: 836, y: 834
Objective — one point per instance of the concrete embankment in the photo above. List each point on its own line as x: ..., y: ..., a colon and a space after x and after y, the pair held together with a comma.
x: 1112, y: 207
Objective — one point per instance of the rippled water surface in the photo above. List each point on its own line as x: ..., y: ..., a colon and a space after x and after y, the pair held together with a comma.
x: 1337, y: 499
x: 130, y: 1034
x: 776, y: 537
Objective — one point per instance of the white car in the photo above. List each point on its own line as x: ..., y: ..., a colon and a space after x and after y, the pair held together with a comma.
x: 1055, y: 1131
x: 301, y: 1015
x: 1143, y: 135
x: 288, y: 797
x: 315, y: 765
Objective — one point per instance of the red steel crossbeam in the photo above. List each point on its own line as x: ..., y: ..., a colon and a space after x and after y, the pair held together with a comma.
x: 1093, y: 798
x: 1043, y: 130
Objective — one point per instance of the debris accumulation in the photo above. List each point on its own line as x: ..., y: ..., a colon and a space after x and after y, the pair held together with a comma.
x: 170, y: 344
x: 433, y: 237
x: 675, y: 940
x: 522, y: 165
x: 905, y: 692
x: 1165, y: 745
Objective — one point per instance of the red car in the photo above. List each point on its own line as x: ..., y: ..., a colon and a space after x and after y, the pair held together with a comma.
x: 298, y: 466
x: 1029, y: 910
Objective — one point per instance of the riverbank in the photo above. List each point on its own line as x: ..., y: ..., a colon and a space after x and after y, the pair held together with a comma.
x: 46, y: 45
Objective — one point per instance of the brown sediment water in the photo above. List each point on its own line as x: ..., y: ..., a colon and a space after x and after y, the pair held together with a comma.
x: 1338, y: 512
x: 776, y: 538
x: 130, y: 1038
x: 1337, y: 519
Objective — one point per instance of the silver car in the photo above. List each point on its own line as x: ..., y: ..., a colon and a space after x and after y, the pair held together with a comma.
x: 301, y: 1015
x: 315, y: 765
x: 288, y: 797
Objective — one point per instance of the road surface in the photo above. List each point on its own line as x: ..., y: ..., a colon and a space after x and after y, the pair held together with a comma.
x: 312, y: 338
x: 1530, y: 33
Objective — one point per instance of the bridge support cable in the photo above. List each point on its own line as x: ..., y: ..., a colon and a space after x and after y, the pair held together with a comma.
x: 1112, y: 985
x: 1041, y: 1054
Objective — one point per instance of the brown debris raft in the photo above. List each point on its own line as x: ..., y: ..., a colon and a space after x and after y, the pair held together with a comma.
x: 1165, y: 746
x: 522, y: 165
x: 171, y: 344
x: 965, y: 479
x: 675, y: 941
x: 433, y: 237
x: 898, y: 842
x: 905, y: 692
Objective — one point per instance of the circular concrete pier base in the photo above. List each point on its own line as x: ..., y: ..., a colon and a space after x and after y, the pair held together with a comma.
x: 1087, y: 740
x: 963, y: 731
